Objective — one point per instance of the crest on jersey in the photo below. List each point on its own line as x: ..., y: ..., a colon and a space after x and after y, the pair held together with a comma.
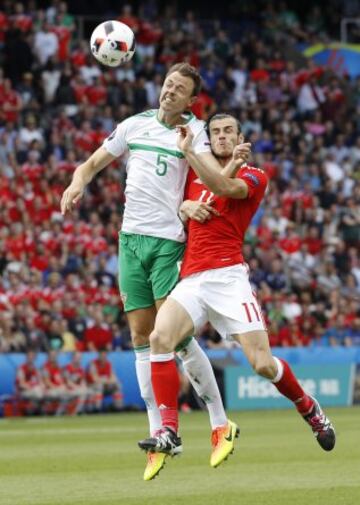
x: 252, y: 177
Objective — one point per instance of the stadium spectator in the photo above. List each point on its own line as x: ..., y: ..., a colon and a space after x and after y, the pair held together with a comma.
x: 75, y: 381
x: 56, y: 397
x: 29, y: 385
x: 98, y: 335
x: 103, y: 382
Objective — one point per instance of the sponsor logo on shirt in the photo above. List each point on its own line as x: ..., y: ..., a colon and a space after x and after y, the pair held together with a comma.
x: 252, y: 177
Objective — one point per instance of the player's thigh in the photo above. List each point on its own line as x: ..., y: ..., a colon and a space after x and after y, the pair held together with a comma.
x: 173, y: 324
x: 164, y: 272
x: 134, y: 283
x: 187, y: 294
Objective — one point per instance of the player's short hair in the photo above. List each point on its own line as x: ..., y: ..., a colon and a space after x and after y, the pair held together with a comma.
x: 222, y: 115
x: 187, y: 70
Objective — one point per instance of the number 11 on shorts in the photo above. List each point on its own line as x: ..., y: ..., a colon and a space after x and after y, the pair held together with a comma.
x: 251, y: 310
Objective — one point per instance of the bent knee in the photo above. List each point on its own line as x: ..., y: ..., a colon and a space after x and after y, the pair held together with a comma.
x: 139, y: 338
x: 161, y: 341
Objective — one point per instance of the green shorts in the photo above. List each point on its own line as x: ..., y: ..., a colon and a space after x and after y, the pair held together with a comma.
x: 148, y: 269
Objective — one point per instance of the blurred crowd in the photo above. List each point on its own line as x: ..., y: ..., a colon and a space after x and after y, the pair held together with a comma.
x: 58, y: 276
x: 70, y: 389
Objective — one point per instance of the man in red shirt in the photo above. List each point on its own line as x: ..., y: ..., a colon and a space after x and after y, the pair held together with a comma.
x: 29, y: 384
x: 215, y: 287
x: 98, y: 334
x: 75, y: 381
x: 56, y: 394
x: 103, y: 382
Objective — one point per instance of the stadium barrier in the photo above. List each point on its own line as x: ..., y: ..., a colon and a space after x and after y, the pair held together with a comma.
x: 333, y: 374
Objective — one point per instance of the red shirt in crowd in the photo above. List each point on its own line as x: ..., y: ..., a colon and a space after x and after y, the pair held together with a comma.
x: 53, y: 372
x: 203, y: 105
x: 30, y: 374
x: 74, y: 374
x: 98, y: 335
x: 290, y: 244
x: 102, y: 368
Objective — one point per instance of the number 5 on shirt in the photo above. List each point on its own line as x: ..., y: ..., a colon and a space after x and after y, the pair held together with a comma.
x: 162, y: 165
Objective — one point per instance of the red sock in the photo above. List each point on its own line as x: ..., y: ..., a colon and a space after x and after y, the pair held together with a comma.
x: 166, y: 385
x: 289, y: 386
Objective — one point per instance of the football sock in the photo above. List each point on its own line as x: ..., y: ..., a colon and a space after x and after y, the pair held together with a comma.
x: 166, y: 386
x: 143, y: 373
x: 201, y: 375
x: 288, y: 385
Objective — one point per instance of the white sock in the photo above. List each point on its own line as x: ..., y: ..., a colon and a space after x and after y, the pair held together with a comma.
x: 201, y: 375
x: 280, y: 372
x: 143, y: 373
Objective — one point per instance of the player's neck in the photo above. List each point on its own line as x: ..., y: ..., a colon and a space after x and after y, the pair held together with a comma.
x: 224, y: 161
x: 170, y: 119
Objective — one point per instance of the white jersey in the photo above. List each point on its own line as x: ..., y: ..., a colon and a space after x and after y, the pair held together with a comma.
x: 156, y: 173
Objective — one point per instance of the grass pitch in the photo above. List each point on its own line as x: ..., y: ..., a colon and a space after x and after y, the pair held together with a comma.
x: 95, y: 461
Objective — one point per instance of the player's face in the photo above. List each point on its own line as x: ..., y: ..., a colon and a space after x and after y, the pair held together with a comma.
x: 224, y: 137
x: 176, y: 93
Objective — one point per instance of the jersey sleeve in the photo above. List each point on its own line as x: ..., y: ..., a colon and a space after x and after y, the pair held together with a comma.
x: 115, y: 143
x: 201, y: 143
x: 256, y: 180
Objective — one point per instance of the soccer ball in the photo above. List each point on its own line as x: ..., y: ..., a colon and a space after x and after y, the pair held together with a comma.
x: 112, y: 43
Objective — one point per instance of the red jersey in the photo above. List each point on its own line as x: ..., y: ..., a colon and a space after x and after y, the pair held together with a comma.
x: 99, y: 335
x: 217, y: 243
x: 74, y: 374
x: 30, y: 374
x: 53, y: 373
x: 103, y: 369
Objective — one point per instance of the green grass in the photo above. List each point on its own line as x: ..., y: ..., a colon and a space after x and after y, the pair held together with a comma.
x: 95, y: 461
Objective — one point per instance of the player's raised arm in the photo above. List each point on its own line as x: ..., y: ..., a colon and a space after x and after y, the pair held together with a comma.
x: 83, y: 174
x: 209, y: 170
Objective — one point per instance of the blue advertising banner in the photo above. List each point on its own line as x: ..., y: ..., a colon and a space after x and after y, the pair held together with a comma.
x: 332, y: 385
x: 342, y: 58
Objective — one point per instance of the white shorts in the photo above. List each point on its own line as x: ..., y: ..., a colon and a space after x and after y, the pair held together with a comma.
x: 222, y: 296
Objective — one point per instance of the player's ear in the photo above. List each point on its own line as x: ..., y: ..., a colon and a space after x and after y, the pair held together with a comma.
x: 191, y: 101
x: 241, y: 138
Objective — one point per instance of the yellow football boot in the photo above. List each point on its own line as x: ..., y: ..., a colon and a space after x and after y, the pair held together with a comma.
x: 222, y: 441
x: 155, y: 462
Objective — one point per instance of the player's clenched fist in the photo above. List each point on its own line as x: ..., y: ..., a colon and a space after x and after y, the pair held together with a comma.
x: 185, y: 137
x: 242, y: 152
x: 70, y: 197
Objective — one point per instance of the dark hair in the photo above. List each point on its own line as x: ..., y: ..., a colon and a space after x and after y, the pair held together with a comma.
x: 222, y: 115
x: 187, y: 71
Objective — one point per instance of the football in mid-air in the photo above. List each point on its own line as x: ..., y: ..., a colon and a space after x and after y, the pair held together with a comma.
x: 112, y: 43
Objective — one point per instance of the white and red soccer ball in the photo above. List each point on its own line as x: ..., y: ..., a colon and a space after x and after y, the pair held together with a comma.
x: 112, y: 43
